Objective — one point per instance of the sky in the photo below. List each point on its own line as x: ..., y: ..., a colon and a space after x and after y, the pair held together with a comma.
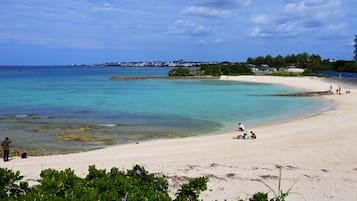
x: 43, y: 32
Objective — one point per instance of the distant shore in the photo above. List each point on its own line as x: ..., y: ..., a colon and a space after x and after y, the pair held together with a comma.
x: 165, y: 78
x: 317, y: 154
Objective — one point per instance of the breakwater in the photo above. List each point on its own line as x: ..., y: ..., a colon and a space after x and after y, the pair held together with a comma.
x: 307, y: 94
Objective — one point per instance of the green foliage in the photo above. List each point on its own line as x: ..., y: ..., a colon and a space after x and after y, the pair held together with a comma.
x: 325, y: 65
x: 311, y: 62
x: 211, y: 69
x: 303, y: 60
x: 11, y: 184
x: 134, y: 184
x: 339, y: 66
x: 226, y: 68
x: 345, y: 66
x: 259, y: 197
x: 179, y: 72
x: 56, y: 185
x: 192, y: 190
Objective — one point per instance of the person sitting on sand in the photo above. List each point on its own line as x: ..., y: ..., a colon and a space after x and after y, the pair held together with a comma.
x: 241, y: 127
x: 252, y: 135
x: 245, y: 136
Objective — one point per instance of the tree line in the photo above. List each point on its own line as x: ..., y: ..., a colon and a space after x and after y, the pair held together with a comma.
x: 312, y: 62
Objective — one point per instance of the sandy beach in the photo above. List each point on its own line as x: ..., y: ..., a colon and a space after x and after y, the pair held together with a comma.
x: 317, y: 154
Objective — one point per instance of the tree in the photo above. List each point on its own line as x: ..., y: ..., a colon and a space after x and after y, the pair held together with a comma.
x: 290, y: 59
x: 250, y: 60
x: 268, y: 60
x: 179, y: 72
x: 315, y: 60
x: 279, y: 61
x: 302, y: 60
x: 260, y: 60
x: 226, y: 68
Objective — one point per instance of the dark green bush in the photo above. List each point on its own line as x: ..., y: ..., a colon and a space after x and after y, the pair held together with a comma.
x: 259, y: 197
x: 226, y: 68
x: 192, y: 190
x: 11, y: 185
x: 134, y: 184
x: 179, y: 72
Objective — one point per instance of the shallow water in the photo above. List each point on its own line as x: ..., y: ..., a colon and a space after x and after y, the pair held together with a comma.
x: 39, y: 105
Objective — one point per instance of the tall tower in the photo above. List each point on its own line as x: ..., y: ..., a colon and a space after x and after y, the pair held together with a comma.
x: 355, y: 57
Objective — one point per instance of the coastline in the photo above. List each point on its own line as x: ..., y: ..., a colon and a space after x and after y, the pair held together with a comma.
x: 317, y: 154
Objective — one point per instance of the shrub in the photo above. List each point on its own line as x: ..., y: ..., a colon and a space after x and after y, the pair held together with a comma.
x: 179, y: 72
x: 259, y: 197
x: 192, y: 190
x: 11, y: 184
x: 134, y: 184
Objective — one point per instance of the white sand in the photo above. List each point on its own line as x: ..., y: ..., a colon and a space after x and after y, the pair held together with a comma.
x: 318, y: 154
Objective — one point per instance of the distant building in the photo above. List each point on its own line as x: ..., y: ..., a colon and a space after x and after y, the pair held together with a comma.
x: 295, y: 70
x: 355, y: 57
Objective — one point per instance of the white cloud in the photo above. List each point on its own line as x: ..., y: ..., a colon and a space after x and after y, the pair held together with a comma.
x: 218, y: 40
x: 299, y: 17
x: 206, y: 11
x: 337, y: 27
x: 295, y: 8
x: 258, y: 32
x: 223, y: 4
x: 205, y: 15
x: 215, y: 8
x: 189, y: 27
x: 261, y: 19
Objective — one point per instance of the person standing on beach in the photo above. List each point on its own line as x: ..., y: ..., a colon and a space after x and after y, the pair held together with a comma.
x: 6, y: 148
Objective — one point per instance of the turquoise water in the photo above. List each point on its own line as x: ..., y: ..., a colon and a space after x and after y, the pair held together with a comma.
x: 38, y: 104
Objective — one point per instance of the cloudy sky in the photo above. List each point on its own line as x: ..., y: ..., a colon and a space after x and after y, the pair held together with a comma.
x: 42, y: 32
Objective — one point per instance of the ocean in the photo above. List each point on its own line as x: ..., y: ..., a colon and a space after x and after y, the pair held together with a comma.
x: 51, y: 109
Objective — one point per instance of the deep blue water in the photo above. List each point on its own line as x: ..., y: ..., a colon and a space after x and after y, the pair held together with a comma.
x: 38, y: 104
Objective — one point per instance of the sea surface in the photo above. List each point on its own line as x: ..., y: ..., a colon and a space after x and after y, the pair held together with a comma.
x: 52, y: 108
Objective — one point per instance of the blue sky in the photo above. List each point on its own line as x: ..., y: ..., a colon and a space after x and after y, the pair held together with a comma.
x: 43, y: 32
